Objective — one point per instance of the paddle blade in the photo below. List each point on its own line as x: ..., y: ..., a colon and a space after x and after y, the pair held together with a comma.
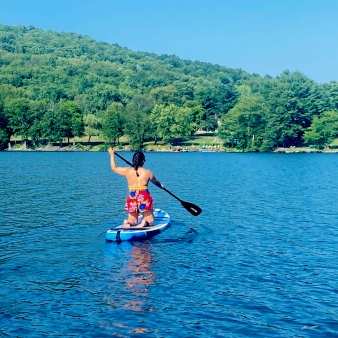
x: 195, y: 210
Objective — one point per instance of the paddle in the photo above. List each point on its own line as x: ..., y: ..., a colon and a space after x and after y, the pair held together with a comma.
x: 194, y: 209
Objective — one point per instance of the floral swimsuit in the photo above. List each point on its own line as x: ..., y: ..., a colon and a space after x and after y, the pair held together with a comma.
x: 139, y: 199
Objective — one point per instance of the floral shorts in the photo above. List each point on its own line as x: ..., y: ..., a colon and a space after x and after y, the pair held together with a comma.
x: 139, y: 200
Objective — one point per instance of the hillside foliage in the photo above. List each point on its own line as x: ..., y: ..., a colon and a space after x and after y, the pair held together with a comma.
x: 65, y: 85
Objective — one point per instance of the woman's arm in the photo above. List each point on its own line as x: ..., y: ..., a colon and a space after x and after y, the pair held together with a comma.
x: 155, y: 181
x: 118, y: 170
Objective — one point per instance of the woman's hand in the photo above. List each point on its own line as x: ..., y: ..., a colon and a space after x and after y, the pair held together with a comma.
x: 111, y: 151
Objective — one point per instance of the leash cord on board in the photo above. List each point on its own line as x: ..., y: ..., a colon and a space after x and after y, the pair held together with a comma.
x: 101, y: 233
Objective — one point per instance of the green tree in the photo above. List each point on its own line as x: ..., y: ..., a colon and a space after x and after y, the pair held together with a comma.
x: 20, y: 117
x: 163, y: 118
x: 93, y: 125
x: 38, y: 109
x: 70, y: 120
x: 331, y: 89
x: 112, y: 123
x: 9, y: 93
x: 165, y: 95
x: 51, y: 129
x: 244, y: 125
x: 5, y: 131
x: 136, y: 124
x: 135, y: 127
x: 198, y: 113
x: 323, y: 130
x: 293, y: 100
x: 218, y: 99
x: 210, y: 122
x: 244, y: 90
x: 183, y: 122
x: 63, y: 123
x: 172, y: 121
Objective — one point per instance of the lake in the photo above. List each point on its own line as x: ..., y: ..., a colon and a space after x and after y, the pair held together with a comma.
x: 260, y: 261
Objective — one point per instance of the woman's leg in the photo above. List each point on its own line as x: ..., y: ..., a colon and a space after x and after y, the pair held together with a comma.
x: 148, y: 216
x: 132, y: 219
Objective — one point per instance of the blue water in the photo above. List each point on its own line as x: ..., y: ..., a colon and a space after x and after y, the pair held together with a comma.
x: 260, y: 261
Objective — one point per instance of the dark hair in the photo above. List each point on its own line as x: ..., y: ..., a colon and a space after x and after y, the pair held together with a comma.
x: 138, y: 160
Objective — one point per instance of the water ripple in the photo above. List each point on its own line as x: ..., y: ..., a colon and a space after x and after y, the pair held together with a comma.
x: 258, y: 262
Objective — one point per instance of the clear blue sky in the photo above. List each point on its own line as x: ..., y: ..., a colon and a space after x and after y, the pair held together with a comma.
x: 259, y: 36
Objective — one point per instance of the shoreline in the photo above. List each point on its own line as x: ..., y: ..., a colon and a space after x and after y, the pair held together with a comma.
x: 210, y: 149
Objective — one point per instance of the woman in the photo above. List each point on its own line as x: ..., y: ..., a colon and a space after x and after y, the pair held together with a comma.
x: 139, y: 199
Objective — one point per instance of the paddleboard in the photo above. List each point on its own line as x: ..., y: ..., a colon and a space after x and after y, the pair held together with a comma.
x: 120, y: 233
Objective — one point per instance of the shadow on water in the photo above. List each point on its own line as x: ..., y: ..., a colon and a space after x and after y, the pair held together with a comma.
x: 176, y: 232
x: 189, y: 236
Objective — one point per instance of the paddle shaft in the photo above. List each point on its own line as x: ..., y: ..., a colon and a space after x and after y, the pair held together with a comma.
x: 170, y: 193
x: 123, y: 159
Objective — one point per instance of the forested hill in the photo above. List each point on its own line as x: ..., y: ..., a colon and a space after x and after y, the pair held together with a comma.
x: 55, y: 85
x: 58, y: 66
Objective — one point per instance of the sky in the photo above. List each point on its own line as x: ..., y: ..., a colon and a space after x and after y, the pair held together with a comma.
x: 259, y: 36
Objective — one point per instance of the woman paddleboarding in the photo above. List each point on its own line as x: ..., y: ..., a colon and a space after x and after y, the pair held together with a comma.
x: 139, y: 199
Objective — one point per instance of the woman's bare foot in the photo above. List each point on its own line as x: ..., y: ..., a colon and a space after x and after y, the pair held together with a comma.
x: 145, y: 223
x: 126, y: 224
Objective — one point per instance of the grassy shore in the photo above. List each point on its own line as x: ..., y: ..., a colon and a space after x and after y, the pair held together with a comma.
x: 201, y: 141
x: 206, y: 140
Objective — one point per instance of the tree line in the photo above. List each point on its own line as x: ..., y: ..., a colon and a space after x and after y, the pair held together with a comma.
x: 64, y: 85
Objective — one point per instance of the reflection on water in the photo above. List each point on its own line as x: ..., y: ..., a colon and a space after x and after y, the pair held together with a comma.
x: 135, y: 277
x: 140, y: 276
x: 132, y: 267
x: 139, y: 280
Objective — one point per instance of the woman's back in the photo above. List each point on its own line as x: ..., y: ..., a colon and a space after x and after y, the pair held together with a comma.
x: 144, y: 175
